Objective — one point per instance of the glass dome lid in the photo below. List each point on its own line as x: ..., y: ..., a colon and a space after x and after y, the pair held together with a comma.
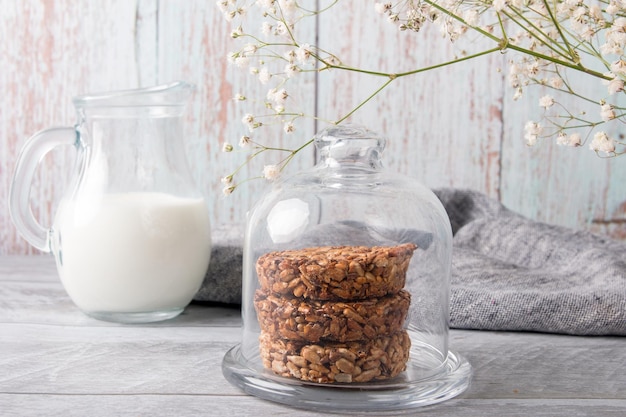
x: 346, y: 287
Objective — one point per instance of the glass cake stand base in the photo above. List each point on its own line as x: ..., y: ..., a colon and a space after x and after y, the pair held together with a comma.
x: 400, y: 393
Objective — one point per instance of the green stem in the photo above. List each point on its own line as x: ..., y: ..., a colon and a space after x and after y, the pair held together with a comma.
x: 366, y: 100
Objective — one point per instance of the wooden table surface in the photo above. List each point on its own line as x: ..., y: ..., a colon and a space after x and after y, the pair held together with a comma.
x: 55, y: 361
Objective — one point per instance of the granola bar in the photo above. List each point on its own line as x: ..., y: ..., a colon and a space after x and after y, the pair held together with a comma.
x: 300, y: 319
x: 336, y: 272
x: 350, y: 362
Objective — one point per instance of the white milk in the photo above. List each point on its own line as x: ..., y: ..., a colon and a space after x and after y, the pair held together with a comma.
x: 132, y: 252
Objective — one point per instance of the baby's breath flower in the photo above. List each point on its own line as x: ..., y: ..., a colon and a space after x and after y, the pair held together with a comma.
x: 499, y: 5
x: 561, y: 139
x: 236, y: 33
x: 602, y: 143
x: 546, y: 101
x: 271, y: 172
x: 615, y: 85
x: 290, y: 55
x: 607, y: 112
x: 291, y: 69
x: 574, y: 140
x: 612, y: 9
x: 266, y: 4
x: 277, y: 96
x: 288, y: 7
x: 533, y: 130
x: 242, y: 61
x: 556, y: 82
x: 227, y: 147
x: 471, y: 17
x: 619, y: 67
x: 281, y: 29
x: 289, y: 127
x: 249, y: 121
x: 303, y: 54
x: 239, y: 97
x: 266, y: 28
x: 228, y: 190
x: 382, y: 8
x: 227, y: 180
x: 264, y: 76
x: 222, y: 5
x: 245, y: 141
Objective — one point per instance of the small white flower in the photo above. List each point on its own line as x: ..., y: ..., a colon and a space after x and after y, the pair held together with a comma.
x: 264, y: 76
x: 250, y: 49
x: 291, y: 70
x: 619, y: 67
x: 245, y: 141
x: 239, y: 97
x: 615, y: 85
x: 471, y: 17
x: 382, y: 8
x: 236, y: 33
x: 532, y: 68
x: 303, y: 53
x: 289, y: 127
x: 290, y: 55
x: 561, y: 139
x: 266, y: 28
x: 612, y: 9
x: 249, y: 121
x: 556, y: 82
x: 228, y: 190
x: 546, y: 101
x: 227, y: 147
x: 271, y: 172
x: 602, y: 143
x: 242, y: 61
x: 606, y: 112
x: 281, y: 29
x: 227, y: 180
x: 265, y: 4
x: 574, y: 140
x: 499, y: 5
x: 222, y: 5
x: 533, y: 130
x: 288, y: 7
x: 277, y: 96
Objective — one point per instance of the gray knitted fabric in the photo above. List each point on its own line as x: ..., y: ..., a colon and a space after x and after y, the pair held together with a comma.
x: 511, y: 273
x: 508, y: 272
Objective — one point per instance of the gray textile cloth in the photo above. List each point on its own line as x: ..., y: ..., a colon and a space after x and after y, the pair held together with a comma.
x: 508, y: 272
x: 222, y: 282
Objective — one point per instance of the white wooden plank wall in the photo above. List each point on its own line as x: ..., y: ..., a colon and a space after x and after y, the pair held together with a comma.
x: 454, y: 127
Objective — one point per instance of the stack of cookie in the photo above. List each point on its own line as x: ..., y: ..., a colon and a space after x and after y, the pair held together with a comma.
x: 334, y: 314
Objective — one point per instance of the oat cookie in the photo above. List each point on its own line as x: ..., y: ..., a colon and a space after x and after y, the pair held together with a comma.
x: 351, y: 362
x: 299, y: 319
x: 336, y: 272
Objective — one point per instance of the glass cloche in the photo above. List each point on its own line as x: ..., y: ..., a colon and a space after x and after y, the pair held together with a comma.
x: 346, y: 287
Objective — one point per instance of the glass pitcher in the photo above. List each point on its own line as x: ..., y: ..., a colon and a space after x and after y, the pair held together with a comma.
x: 131, y: 236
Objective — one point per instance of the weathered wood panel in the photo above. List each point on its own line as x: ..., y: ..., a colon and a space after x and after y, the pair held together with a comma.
x: 51, y: 51
x: 194, y: 41
x: 444, y: 126
x: 456, y: 126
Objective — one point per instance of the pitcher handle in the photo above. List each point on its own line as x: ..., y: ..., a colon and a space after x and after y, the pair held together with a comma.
x: 28, y: 160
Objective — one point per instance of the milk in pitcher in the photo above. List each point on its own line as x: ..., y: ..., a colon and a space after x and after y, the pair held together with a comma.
x: 132, y: 252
